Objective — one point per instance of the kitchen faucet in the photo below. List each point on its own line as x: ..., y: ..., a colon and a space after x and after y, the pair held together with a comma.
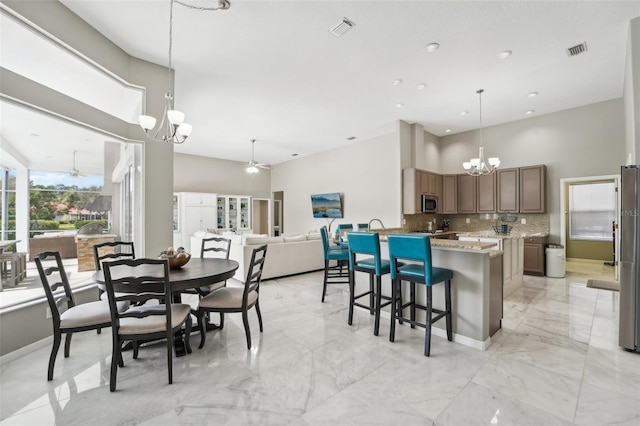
x: 373, y: 220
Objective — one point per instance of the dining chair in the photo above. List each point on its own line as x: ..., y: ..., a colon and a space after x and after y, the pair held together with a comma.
x: 340, y: 229
x: 216, y: 247
x: 140, y: 281
x: 66, y: 316
x: 416, y: 249
x: 367, y: 244
x: 334, y: 273
x: 236, y: 299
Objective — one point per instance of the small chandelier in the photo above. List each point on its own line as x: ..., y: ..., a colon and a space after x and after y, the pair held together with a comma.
x: 172, y: 127
x: 478, y: 166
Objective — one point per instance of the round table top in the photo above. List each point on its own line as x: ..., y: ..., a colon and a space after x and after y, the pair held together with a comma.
x: 197, y: 273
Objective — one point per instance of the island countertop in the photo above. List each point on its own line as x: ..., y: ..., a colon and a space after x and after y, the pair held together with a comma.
x: 451, y: 244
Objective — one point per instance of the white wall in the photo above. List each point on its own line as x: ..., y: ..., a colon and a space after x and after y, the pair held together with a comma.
x: 193, y: 173
x: 580, y: 142
x: 367, y: 173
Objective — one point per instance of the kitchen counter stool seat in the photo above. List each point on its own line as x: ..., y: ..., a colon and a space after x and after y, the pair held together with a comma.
x: 417, y: 248
x: 367, y: 244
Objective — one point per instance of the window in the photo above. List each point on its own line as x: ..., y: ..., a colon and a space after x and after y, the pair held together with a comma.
x: 60, y: 202
x: 592, y: 210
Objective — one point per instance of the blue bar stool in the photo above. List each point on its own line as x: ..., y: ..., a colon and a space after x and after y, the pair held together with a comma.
x: 417, y: 248
x: 333, y: 274
x: 343, y: 227
x: 367, y: 244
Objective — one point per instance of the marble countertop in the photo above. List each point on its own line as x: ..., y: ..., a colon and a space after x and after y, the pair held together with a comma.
x: 454, y: 244
x: 492, y: 234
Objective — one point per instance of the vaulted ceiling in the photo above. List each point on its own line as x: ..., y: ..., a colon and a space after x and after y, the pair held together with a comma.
x: 272, y: 71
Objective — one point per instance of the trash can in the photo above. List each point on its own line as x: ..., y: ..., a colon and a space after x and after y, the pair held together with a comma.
x: 555, y: 261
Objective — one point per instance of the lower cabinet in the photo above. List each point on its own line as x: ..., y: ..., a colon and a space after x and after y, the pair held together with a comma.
x: 534, y: 261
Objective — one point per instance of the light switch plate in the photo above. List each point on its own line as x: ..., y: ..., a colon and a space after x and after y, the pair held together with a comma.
x: 468, y: 220
x: 523, y: 221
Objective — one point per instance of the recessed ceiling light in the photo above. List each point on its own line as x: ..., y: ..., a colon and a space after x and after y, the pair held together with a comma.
x: 397, y: 82
x: 399, y: 105
x: 532, y: 94
x: 464, y: 112
x: 35, y: 135
x: 447, y: 131
x: 432, y: 47
x: 294, y: 155
x: 421, y: 86
x: 529, y: 112
x: 350, y: 138
x: 504, y: 54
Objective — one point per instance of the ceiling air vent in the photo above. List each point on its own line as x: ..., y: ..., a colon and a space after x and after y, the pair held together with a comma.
x: 342, y: 27
x: 577, y: 49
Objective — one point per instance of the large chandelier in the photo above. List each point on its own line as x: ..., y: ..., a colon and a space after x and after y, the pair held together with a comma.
x: 172, y: 127
x: 478, y: 166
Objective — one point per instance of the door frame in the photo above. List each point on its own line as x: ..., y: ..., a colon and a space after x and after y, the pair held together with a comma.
x: 269, y: 211
x: 563, y: 208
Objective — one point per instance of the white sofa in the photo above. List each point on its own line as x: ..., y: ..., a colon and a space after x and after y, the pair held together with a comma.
x: 285, y: 255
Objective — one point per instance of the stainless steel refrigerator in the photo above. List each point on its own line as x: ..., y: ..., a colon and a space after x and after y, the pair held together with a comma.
x: 629, y: 336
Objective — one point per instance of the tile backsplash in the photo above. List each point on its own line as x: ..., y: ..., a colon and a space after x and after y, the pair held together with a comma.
x: 477, y: 222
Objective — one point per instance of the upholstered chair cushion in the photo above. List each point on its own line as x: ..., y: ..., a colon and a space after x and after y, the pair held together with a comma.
x: 226, y: 298
x: 88, y: 314
x: 153, y: 323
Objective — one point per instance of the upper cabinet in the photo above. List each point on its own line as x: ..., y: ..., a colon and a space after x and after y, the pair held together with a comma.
x: 467, y: 194
x: 486, y: 193
x: 416, y: 182
x: 533, y: 197
x: 508, y: 190
x: 233, y: 212
x: 449, y: 201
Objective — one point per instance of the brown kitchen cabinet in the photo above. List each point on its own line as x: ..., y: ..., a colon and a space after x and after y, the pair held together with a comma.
x: 431, y: 183
x: 533, y: 197
x: 467, y: 189
x: 486, y: 193
x: 449, y: 200
x: 508, y: 190
x: 534, y: 261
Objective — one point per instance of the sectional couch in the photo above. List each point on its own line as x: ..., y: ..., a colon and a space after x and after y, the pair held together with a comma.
x: 286, y: 255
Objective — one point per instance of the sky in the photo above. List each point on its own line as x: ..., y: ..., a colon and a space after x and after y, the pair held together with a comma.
x: 50, y: 178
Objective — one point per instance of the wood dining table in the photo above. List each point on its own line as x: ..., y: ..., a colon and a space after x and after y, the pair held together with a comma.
x: 198, y: 272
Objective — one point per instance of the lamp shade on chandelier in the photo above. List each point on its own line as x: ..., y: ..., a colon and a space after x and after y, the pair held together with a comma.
x: 479, y: 166
x: 172, y: 127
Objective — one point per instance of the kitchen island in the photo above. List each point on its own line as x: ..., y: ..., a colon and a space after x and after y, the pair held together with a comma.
x: 471, y: 289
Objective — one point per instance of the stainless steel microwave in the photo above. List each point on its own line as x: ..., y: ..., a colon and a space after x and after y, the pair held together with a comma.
x: 429, y: 203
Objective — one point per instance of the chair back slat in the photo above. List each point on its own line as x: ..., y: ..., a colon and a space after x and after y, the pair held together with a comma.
x: 216, y: 245
x: 112, y: 250
x: 57, y: 300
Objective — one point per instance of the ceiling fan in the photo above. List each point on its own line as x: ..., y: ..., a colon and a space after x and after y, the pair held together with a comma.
x: 74, y: 172
x: 252, y: 166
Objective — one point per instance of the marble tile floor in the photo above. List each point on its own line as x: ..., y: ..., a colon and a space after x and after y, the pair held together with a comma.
x: 555, y: 361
